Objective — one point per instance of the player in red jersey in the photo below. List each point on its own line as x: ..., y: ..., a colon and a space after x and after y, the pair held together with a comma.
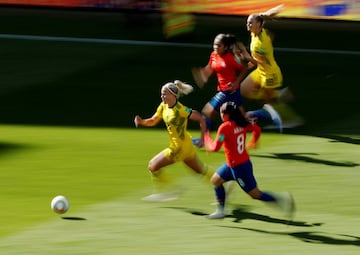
x: 229, y: 70
x: 232, y: 134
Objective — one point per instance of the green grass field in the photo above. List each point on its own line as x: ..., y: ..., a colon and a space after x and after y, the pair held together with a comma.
x: 103, y: 173
x: 66, y: 127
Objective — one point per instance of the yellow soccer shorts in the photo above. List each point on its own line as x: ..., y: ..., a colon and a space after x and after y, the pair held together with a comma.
x: 186, y: 151
x: 268, y: 81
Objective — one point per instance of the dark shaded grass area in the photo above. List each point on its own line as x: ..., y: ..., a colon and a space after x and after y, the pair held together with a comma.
x: 63, y: 83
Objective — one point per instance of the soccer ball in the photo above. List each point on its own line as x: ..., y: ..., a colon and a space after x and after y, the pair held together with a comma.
x: 60, y: 204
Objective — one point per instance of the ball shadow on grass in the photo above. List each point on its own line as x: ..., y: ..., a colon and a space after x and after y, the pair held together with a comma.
x: 73, y: 218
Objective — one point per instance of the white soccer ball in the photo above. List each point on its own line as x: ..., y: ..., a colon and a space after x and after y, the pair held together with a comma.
x: 60, y: 204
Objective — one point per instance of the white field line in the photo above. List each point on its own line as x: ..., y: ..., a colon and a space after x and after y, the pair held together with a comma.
x: 155, y: 43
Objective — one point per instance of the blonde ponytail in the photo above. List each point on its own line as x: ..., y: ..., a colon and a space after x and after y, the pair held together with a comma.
x: 184, y: 88
x: 178, y: 88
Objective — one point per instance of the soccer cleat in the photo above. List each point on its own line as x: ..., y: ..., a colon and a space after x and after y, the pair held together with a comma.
x: 218, y: 214
x: 286, y: 95
x: 295, y: 122
x: 274, y: 116
x: 290, y: 119
x: 195, y: 142
x: 160, y: 197
x: 286, y: 203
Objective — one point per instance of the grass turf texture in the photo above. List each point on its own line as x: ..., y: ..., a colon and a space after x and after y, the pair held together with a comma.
x: 103, y: 173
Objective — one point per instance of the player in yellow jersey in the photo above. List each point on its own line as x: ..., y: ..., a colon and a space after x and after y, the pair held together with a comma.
x: 175, y: 115
x: 265, y: 81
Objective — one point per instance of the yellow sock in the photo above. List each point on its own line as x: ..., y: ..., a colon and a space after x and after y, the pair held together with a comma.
x: 207, y: 173
x: 161, y: 181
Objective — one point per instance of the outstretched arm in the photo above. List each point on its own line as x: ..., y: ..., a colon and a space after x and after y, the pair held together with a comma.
x: 273, y: 11
x: 198, y: 117
x: 149, y: 122
x: 256, y: 133
x: 213, y: 145
x: 201, y: 75
x: 242, y: 52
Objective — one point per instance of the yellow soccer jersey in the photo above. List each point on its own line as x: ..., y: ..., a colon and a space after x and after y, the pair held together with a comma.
x: 261, y: 45
x: 176, y: 120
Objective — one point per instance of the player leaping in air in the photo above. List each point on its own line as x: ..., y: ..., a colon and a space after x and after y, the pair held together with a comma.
x: 265, y: 82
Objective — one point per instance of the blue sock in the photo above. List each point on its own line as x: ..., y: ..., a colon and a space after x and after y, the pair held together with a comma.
x: 209, y: 123
x: 220, y: 196
x: 261, y: 115
x: 267, y: 197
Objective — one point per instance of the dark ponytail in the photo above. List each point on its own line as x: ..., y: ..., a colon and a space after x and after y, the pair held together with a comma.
x: 234, y: 113
x: 229, y: 40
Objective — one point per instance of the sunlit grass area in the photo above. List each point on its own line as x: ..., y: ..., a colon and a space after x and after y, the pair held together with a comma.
x: 103, y: 173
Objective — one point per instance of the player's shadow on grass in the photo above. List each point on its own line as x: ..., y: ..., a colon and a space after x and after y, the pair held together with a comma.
x: 306, y: 157
x: 240, y: 214
x: 341, y: 139
x: 6, y: 148
x: 311, y: 236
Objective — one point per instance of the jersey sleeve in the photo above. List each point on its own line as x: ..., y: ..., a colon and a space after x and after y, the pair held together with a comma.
x: 185, y: 111
x: 215, y: 145
x: 255, y: 132
x: 159, y: 110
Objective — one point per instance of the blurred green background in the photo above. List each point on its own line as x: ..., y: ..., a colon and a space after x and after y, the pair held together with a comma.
x: 105, y: 84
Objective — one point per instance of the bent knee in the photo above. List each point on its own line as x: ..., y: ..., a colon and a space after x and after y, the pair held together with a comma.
x: 216, y: 180
x: 152, y: 166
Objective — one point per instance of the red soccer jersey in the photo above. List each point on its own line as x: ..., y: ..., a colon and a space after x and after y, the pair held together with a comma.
x: 226, y: 69
x: 234, y: 139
